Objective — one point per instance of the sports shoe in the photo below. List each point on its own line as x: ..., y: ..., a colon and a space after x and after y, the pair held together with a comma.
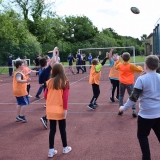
x: 117, y: 98
x: 22, y: 118
x: 45, y: 106
x: 90, y: 106
x: 120, y: 113
x: 66, y: 149
x: 44, y: 122
x: 29, y: 96
x: 134, y: 114
x: 95, y: 104
x: 51, y: 154
x: 17, y: 119
x: 38, y: 97
x: 111, y: 99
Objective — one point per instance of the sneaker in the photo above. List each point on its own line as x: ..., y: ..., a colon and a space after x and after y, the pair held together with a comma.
x: 38, y: 97
x: 120, y: 113
x: 17, y: 119
x: 22, y: 118
x: 66, y: 149
x: 95, y: 104
x: 51, y: 154
x: 29, y: 96
x: 134, y: 114
x: 111, y: 99
x: 45, y: 106
x: 90, y: 106
x: 44, y: 122
x: 117, y: 98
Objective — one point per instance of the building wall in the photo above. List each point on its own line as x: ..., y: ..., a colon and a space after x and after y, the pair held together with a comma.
x: 149, y: 45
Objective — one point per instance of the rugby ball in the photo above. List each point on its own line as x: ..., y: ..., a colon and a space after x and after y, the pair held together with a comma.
x: 135, y: 10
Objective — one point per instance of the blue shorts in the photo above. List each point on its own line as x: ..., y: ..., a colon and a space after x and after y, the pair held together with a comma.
x: 23, y: 101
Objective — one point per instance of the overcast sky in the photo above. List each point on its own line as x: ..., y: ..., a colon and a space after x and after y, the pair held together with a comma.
x: 114, y: 14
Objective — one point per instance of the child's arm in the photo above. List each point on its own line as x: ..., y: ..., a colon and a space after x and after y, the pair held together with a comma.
x: 135, y: 68
x: 54, y: 57
x: 99, y: 66
x: 65, y: 99
x: 20, y: 80
x: 110, y: 54
x: 131, y: 100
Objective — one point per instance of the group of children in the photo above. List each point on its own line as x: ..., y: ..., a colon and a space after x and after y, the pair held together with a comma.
x: 121, y: 77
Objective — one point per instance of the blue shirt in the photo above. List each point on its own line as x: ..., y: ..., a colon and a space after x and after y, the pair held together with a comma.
x: 45, y: 75
x: 70, y: 60
x: 90, y: 58
x: 79, y: 59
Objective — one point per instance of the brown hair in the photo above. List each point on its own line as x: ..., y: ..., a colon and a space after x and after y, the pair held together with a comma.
x: 95, y: 61
x: 126, y: 56
x: 152, y: 61
x: 59, y: 77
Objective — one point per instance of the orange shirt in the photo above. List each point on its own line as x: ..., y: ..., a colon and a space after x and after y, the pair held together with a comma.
x: 26, y: 70
x: 126, y: 72
x: 19, y: 89
x: 95, y: 76
x: 113, y: 73
x: 54, y: 102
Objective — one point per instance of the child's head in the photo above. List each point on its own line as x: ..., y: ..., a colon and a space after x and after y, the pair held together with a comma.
x: 151, y: 62
x: 95, y: 61
x: 126, y: 56
x: 19, y: 65
x: 59, y: 76
x: 43, y: 62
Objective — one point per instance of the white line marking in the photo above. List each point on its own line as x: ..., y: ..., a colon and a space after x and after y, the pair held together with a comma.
x: 79, y: 80
x: 4, y: 84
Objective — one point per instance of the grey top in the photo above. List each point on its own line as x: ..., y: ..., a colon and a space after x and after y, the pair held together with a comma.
x: 149, y: 99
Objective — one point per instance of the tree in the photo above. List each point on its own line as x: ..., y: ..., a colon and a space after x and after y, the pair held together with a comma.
x: 143, y: 37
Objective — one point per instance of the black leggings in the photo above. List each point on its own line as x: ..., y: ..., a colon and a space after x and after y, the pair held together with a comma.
x: 28, y: 88
x: 96, y: 92
x: 62, y: 128
x: 115, y: 84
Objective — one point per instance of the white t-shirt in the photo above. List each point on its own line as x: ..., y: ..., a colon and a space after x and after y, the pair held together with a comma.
x: 58, y: 60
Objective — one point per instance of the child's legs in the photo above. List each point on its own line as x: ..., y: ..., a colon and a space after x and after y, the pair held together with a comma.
x: 156, y: 128
x: 96, y: 92
x: 62, y: 128
x: 122, y: 88
x: 28, y: 88
x: 52, y: 133
x: 117, y: 86
x: 144, y: 128
x: 113, y: 88
x: 39, y: 90
x: 129, y: 90
x: 18, y: 109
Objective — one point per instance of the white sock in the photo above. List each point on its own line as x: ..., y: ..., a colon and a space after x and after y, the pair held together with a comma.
x: 51, y: 150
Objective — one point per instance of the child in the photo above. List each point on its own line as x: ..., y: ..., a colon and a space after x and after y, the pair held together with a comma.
x: 19, y: 91
x: 56, y: 107
x: 94, y: 78
x: 70, y: 60
x: 126, y: 78
x: 90, y: 58
x: 113, y: 76
x: 27, y: 71
x: 146, y: 89
x: 45, y: 75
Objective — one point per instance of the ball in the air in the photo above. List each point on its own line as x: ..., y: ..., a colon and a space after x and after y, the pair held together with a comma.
x: 135, y: 10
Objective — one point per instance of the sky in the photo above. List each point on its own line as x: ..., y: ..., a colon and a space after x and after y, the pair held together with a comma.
x: 114, y: 14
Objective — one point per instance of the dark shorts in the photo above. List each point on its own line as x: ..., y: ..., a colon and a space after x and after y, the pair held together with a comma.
x: 70, y: 64
x: 23, y: 101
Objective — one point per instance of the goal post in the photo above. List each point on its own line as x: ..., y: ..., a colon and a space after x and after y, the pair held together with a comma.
x: 128, y: 47
x: 28, y: 60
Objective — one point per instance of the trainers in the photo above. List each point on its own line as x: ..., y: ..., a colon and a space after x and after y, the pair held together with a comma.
x: 44, y: 122
x: 111, y: 99
x: 45, y: 106
x: 95, y: 104
x: 29, y: 96
x: 38, y: 97
x: 66, y: 149
x: 90, y: 106
x: 22, y: 118
x: 117, y: 98
x: 17, y: 119
x: 51, y: 154
x: 120, y: 113
x: 134, y: 114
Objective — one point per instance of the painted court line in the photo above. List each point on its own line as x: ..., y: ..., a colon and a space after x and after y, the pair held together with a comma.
x: 100, y: 104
